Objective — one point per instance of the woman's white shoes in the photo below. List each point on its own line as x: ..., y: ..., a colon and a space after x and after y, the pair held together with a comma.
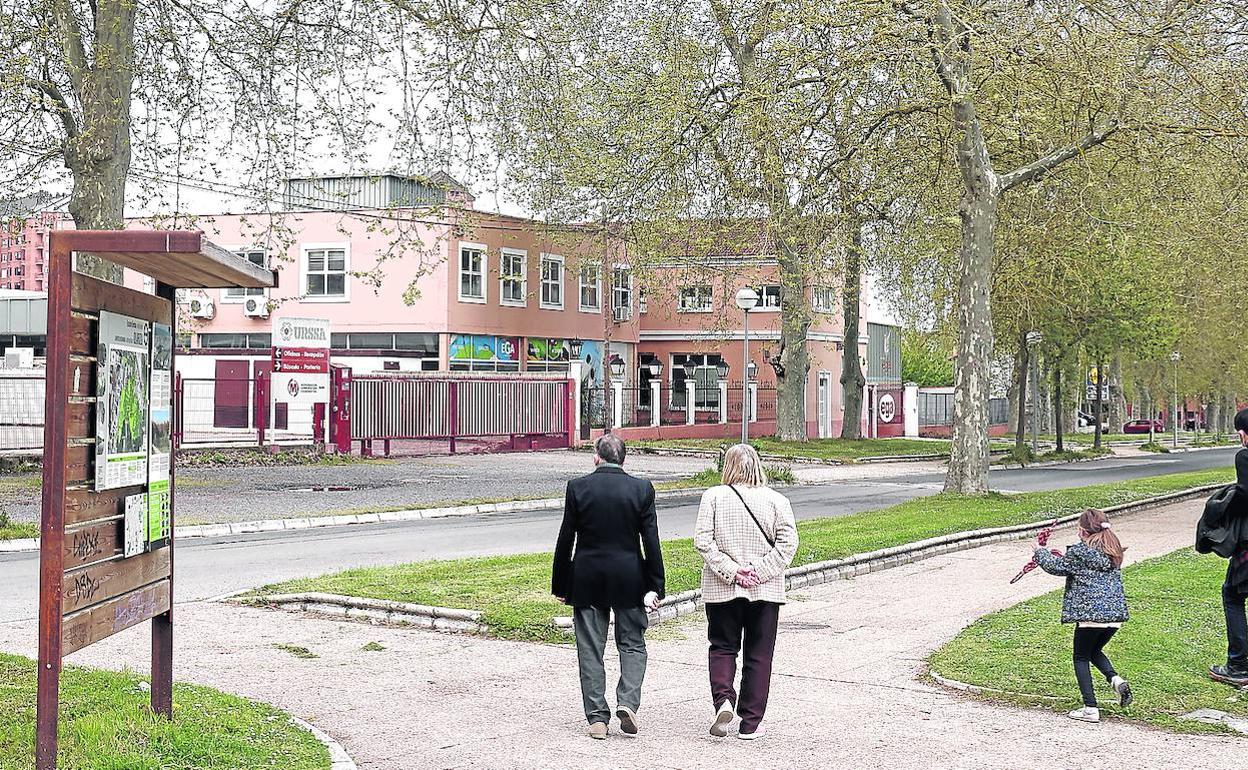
x: 723, y: 718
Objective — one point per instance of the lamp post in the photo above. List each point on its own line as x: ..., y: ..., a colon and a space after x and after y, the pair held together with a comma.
x: 1034, y: 339
x: 1175, y: 358
x: 747, y: 300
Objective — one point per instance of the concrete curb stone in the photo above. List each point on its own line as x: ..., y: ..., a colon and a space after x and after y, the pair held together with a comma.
x: 688, y: 602
x: 339, y: 759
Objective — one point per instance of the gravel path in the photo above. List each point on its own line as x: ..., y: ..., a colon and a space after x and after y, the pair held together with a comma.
x: 846, y: 691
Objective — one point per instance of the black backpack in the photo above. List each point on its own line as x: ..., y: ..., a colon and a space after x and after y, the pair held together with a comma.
x: 1222, y: 526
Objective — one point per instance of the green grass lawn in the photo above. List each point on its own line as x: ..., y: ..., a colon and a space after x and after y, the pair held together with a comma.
x: 1175, y: 633
x: 841, y: 450
x: 105, y: 725
x: 514, y: 591
x: 12, y: 530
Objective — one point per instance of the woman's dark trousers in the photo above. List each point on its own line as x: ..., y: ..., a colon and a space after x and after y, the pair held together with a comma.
x: 1089, y: 646
x: 1236, y: 627
x: 749, y: 628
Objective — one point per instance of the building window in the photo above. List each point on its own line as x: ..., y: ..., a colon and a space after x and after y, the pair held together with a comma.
x: 512, y: 279
x: 622, y: 292
x: 591, y: 289
x: 326, y: 273
x: 552, y: 282
x: 824, y: 299
x: 238, y: 341
x: 471, y: 273
x: 255, y: 257
x: 705, y: 378
x: 695, y: 299
x: 769, y: 297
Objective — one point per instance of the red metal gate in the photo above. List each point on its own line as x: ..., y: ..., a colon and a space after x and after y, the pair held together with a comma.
x: 436, y: 412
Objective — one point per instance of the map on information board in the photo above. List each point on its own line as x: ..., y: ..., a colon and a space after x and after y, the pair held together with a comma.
x: 121, y: 410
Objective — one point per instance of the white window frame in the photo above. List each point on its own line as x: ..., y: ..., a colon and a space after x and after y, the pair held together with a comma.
x: 485, y: 273
x: 503, y: 277
x: 237, y: 299
x: 629, y: 272
x: 764, y: 308
x: 542, y: 282
x: 345, y: 247
x: 828, y: 292
x: 581, y: 285
x: 708, y: 307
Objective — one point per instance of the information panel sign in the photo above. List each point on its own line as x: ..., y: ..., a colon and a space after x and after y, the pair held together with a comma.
x: 121, y: 415
x: 158, y: 498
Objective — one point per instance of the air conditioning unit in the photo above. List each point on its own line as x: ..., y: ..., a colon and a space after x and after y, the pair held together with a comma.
x: 256, y: 307
x: 622, y: 314
x: 201, y: 307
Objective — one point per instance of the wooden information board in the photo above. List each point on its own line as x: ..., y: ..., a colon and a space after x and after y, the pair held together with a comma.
x: 108, y: 460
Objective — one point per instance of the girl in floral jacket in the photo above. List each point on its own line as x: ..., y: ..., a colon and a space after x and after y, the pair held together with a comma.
x: 1094, y: 602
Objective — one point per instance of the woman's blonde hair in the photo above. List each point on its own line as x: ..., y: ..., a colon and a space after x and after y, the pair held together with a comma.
x: 742, y: 465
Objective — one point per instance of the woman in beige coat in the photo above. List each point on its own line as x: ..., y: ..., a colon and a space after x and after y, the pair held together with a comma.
x: 747, y: 537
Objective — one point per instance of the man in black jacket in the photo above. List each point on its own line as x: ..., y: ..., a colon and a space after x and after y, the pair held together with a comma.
x: 1235, y: 589
x: 610, y: 520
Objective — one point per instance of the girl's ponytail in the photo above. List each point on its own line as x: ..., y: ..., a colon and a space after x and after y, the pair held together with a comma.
x: 1095, y: 530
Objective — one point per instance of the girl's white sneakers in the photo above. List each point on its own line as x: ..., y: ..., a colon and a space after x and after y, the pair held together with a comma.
x: 1086, y: 714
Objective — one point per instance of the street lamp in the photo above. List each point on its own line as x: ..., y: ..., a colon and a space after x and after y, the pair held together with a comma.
x: 746, y: 300
x: 1034, y: 339
x: 1175, y: 358
x: 721, y: 369
x: 617, y: 366
x: 656, y: 368
x: 752, y: 370
x: 690, y: 368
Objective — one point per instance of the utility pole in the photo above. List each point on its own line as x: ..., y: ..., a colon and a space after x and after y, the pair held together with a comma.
x: 1175, y: 357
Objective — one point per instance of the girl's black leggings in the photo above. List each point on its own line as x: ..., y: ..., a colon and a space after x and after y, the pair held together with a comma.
x: 1089, y: 646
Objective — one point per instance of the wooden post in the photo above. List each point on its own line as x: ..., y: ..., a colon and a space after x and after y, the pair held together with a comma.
x: 51, y: 525
x: 162, y: 625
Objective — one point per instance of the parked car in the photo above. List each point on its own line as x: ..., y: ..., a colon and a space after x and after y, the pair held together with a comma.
x: 1086, y: 420
x: 1143, y: 426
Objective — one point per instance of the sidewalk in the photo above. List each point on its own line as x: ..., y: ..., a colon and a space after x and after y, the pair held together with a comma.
x: 845, y: 692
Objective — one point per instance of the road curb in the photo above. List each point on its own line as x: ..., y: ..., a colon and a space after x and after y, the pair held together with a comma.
x: 688, y: 602
x: 711, y: 454
x: 374, y: 610
x: 339, y: 759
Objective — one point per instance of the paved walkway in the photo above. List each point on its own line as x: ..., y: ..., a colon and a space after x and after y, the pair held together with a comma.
x: 846, y: 692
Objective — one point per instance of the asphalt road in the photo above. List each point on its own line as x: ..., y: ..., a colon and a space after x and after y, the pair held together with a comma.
x: 211, y: 567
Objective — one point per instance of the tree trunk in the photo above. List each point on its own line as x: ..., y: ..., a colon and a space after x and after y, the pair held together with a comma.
x: 852, y: 378
x: 1117, y: 398
x: 968, y: 461
x: 1022, y: 369
x: 1057, y: 407
x: 1045, y: 396
x: 795, y: 357
x: 1228, y: 414
x: 1098, y: 407
x: 97, y: 152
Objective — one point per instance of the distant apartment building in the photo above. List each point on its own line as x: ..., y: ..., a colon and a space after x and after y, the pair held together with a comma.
x: 24, y: 227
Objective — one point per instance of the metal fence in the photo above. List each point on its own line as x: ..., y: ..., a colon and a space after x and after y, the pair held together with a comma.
x: 21, y: 410
x: 492, y: 413
x: 936, y: 410
x: 646, y: 406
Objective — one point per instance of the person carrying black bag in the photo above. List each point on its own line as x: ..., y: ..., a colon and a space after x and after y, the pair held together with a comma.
x: 1223, y: 530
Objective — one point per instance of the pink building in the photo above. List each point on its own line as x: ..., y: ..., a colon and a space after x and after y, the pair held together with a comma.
x: 24, y: 229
